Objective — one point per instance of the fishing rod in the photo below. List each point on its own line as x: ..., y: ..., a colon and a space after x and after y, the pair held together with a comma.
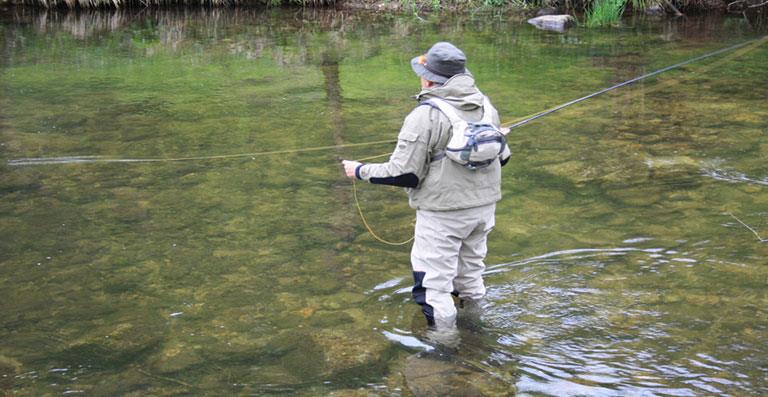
x: 526, y: 120
x: 634, y: 80
x: 535, y: 116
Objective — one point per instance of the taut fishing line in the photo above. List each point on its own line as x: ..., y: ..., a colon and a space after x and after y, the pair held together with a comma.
x: 106, y: 159
x: 547, y: 112
x: 510, y: 126
x: 527, y: 119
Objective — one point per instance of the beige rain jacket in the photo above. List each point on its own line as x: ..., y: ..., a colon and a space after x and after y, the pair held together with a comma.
x: 439, y: 185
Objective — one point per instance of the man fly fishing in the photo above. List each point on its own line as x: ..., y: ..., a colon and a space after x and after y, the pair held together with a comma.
x: 449, y: 155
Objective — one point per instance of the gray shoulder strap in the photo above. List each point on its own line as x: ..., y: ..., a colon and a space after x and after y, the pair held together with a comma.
x: 450, y: 111
x: 487, y: 118
x: 447, y: 110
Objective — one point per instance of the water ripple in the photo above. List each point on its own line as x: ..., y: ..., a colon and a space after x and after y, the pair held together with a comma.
x: 733, y: 176
x: 599, y: 322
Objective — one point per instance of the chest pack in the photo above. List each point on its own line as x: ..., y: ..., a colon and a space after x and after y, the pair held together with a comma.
x: 473, y: 144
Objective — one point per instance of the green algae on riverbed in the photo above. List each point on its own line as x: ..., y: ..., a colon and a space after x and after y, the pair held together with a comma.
x: 614, y: 268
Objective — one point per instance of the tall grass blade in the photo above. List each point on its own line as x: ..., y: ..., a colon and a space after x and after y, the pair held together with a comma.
x: 605, y: 12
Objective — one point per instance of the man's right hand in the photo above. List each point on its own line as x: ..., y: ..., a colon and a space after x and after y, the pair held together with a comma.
x: 350, y: 166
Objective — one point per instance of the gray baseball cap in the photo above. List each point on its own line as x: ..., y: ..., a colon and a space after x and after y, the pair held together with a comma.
x: 440, y: 63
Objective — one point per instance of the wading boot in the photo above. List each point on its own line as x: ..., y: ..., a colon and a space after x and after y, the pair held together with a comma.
x: 470, y: 314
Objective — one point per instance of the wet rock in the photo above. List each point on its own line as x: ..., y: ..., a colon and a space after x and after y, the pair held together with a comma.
x: 555, y: 23
x: 672, y: 167
x: 427, y: 377
x: 686, y: 200
x: 324, y: 284
x: 124, y: 280
x: 112, y: 347
x: 642, y: 195
x: 298, y: 354
x: 361, y: 392
x: 174, y: 358
x: 577, y: 171
x: 342, y: 299
x: 9, y: 368
x: 346, y: 349
x: 329, y: 319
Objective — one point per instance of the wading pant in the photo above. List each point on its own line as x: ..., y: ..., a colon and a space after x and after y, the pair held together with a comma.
x: 447, y: 257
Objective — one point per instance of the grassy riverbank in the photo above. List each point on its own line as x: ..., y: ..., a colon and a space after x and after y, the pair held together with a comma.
x: 596, y: 12
x: 384, y: 5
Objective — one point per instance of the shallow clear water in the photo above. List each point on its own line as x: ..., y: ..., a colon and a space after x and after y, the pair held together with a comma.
x: 620, y: 264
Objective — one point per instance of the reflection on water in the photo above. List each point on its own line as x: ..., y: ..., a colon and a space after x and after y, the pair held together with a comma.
x: 624, y: 261
x: 595, y: 322
x: 584, y: 322
x: 734, y: 176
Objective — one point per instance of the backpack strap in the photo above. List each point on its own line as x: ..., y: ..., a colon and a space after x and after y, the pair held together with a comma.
x: 454, y: 117
x: 487, y: 119
x: 457, y: 123
x: 449, y: 111
x: 446, y: 108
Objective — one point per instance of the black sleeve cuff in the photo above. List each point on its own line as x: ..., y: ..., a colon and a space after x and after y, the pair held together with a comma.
x: 405, y: 180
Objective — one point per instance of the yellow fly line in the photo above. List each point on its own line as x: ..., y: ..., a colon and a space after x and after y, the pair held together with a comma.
x: 367, y: 226
x: 744, y: 48
x: 106, y: 159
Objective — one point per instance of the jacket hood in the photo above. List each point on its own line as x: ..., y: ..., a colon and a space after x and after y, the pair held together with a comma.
x: 460, y: 91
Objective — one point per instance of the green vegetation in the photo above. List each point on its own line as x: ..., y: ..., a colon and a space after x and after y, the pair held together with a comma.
x: 597, y: 12
x: 609, y: 12
x: 254, y: 276
x: 605, y: 12
x: 159, y: 3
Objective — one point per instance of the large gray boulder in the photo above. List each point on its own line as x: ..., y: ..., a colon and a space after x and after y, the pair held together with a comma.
x: 557, y: 23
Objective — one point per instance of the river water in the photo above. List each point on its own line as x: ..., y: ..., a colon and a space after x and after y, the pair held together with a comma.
x: 627, y: 258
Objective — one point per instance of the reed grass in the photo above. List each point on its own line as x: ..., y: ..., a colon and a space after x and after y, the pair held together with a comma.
x: 605, y: 12
x: 598, y: 12
x: 433, y: 5
x: 93, y: 4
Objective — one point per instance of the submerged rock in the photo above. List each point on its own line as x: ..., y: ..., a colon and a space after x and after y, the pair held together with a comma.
x: 298, y: 354
x: 557, y: 23
x: 113, y: 345
x: 347, y: 351
x: 674, y: 167
x: 175, y: 357
x: 427, y: 377
x: 9, y: 368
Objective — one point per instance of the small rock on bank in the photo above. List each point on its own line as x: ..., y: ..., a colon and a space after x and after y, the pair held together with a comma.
x: 557, y: 23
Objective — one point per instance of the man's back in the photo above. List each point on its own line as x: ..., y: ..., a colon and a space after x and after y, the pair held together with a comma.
x: 447, y: 185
